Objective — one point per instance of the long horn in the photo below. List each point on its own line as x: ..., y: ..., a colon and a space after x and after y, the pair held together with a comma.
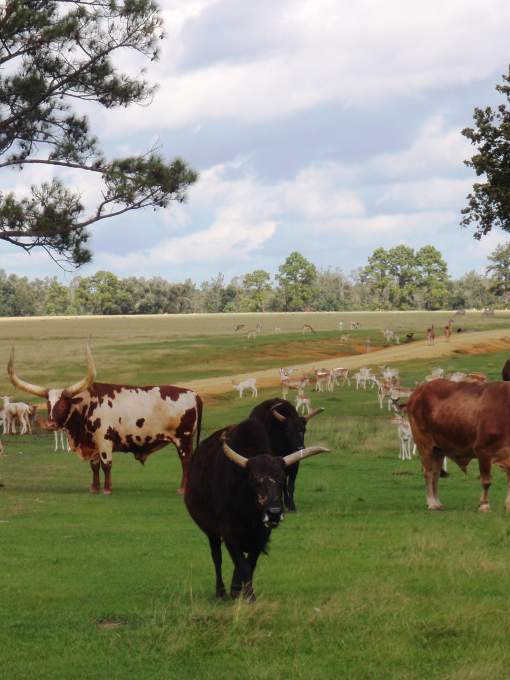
x: 313, y: 413
x: 25, y: 386
x: 304, y: 453
x: 86, y: 382
x: 233, y: 455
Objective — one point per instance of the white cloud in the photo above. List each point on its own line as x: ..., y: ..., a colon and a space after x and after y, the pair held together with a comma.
x: 316, y: 52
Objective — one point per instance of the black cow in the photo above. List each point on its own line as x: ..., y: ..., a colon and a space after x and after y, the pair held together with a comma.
x: 286, y: 430
x: 234, y: 494
x: 505, y: 373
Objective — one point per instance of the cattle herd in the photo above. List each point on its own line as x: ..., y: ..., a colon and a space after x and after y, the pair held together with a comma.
x: 238, y: 482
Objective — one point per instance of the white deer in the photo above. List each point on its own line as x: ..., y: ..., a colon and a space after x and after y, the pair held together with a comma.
x: 248, y: 384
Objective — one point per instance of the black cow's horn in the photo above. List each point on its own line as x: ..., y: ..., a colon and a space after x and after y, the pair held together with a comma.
x: 278, y: 416
x: 22, y: 384
x: 304, y: 453
x: 313, y: 413
x: 233, y: 455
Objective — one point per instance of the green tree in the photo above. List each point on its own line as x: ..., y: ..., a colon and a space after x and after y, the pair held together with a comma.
x: 297, y: 277
x: 471, y: 291
x: 489, y: 203
x: 391, y: 277
x: 102, y: 293
x: 52, y: 54
x: 257, y: 286
x: 334, y: 291
x: 432, y: 278
x: 57, y: 299
x: 499, y: 270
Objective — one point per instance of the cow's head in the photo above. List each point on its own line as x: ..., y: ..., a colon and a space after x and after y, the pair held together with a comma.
x: 58, y: 401
x: 266, y: 476
x: 293, y: 426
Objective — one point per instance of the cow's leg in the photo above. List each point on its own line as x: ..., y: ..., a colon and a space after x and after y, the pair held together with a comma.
x: 106, y: 459
x: 432, y: 464
x: 95, y: 466
x: 106, y: 467
x: 288, y: 492
x: 242, y: 571
x: 484, y: 466
x: 215, y: 543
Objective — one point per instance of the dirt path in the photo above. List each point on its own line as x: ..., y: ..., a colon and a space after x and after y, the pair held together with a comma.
x: 480, y: 342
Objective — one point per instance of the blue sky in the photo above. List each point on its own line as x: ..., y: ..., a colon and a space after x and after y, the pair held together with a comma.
x: 325, y: 126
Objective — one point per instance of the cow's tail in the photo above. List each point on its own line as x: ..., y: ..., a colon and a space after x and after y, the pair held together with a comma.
x: 200, y: 408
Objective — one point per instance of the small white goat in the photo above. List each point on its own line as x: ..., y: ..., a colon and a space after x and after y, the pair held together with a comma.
x: 248, y: 384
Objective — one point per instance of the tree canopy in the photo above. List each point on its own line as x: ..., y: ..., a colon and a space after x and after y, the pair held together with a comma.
x: 55, y: 54
x: 489, y: 203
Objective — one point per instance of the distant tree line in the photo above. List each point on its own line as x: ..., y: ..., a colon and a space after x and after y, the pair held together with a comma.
x: 397, y: 278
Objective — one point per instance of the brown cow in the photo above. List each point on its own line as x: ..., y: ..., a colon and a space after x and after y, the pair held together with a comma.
x: 100, y: 418
x: 461, y: 420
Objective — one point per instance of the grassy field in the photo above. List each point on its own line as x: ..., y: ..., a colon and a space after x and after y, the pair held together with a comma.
x: 361, y: 583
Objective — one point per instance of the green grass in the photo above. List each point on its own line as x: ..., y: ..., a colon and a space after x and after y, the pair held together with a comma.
x: 362, y: 583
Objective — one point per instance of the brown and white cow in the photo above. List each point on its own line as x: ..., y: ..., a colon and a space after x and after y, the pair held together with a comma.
x: 100, y: 418
x: 461, y: 420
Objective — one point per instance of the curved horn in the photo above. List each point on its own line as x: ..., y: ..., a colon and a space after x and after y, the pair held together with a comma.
x: 25, y: 386
x: 233, y: 455
x: 303, y: 453
x: 313, y: 413
x: 86, y: 382
x: 277, y: 415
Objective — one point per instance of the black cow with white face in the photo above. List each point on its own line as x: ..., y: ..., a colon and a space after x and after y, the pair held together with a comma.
x: 235, y: 495
x: 286, y: 431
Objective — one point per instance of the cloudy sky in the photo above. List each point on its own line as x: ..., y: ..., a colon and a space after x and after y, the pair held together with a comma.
x: 326, y: 126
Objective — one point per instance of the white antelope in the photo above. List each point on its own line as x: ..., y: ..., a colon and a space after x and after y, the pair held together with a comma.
x: 407, y: 445
x: 248, y: 384
x: 321, y: 379
x: 13, y: 411
x: 303, y: 403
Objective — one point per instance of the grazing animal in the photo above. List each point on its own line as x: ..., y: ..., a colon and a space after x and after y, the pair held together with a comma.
x: 234, y: 494
x: 100, y: 418
x: 448, y: 329
x: 248, y: 384
x: 303, y: 403
x: 239, y: 327
x: 321, y: 379
x: 407, y: 445
x: 431, y: 335
x: 13, y: 411
x: 463, y: 421
x: 286, y: 430
x: 460, y: 312
x: 306, y: 328
x: 505, y: 373
x: 409, y: 337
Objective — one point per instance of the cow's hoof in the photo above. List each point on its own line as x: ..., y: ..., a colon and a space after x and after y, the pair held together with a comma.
x: 234, y: 593
x: 435, y: 508
x: 107, y: 492
x: 443, y: 473
x: 484, y: 507
x: 221, y: 594
x: 94, y: 489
